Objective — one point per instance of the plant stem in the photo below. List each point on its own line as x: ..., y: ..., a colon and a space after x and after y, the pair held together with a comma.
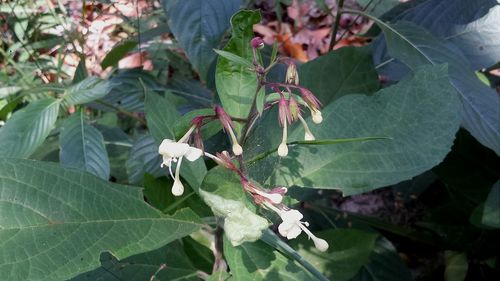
x: 336, y: 25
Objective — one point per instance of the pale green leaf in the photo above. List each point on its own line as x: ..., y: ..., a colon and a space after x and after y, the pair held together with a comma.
x: 87, y: 90
x: 236, y: 85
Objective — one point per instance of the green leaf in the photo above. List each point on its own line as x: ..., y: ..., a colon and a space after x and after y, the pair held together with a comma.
x: 118, y: 52
x: 219, y: 275
x: 207, y: 131
x: 378, y: 8
x: 161, y: 116
x: 260, y: 100
x: 456, y: 266
x: 414, y: 46
x: 28, y: 128
x: 82, y: 147
x: 258, y: 261
x: 56, y: 221
x: 234, y: 58
x: 144, y: 266
x: 222, y: 191
x: 81, y: 71
x: 491, y: 211
x: 144, y: 158
x: 199, y: 26
x: 384, y: 264
x: 89, y: 89
x: 236, y: 85
x: 349, y: 250
x: 344, y: 71
x: 420, y: 115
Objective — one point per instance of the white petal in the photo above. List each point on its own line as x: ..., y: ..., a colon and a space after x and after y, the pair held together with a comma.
x: 193, y: 153
x: 289, y: 230
x: 291, y: 216
x: 174, y: 149
x: 163, y: 146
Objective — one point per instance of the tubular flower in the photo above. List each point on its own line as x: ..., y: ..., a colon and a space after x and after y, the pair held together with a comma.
x: 284, y: 118
x: 308, y: 135
x: 174, y: 152
x: 292, y: 226
x: 228, y: 125
x: 313, y: 104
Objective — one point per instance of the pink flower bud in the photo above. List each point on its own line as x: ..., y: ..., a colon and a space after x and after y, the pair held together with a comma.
x: 309, y: 98
x: 257, y: 43
x: 283, y: 111
x: 293, y: 108
x: 224, y: 118
x: 292, y: 76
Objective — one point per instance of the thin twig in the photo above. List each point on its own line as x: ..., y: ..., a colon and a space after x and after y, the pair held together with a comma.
x: 333, y: 38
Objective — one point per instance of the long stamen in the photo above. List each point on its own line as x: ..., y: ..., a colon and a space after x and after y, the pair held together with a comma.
x: 187, y: 134
x: 237, y: 149
x: 178, y: 188
x: 283, y: 148
x: 308, y: 135
x: 319, y: 243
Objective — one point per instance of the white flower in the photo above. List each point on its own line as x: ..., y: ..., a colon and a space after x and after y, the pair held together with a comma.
x: 292, y: 226
x: 174, y: 152
x: 283, y: 148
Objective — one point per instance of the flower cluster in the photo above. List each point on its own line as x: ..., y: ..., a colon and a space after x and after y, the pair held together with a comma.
x: 291, y: 97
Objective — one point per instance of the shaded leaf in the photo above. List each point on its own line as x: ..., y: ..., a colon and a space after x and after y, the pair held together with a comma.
x: 144, y: 158
x: 456, y: 266
x: 199, y: 25
x: 161, y: 116
x: 118, y: 52
x: 28, y: 128
x: 54, y: 226
x: 491, y: 211
x: 82, y: 147
x: 414, y: 46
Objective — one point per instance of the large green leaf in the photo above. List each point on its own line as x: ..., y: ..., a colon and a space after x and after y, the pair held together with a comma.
x: 56, y: 221
x: 87, y: 90
x: 420, y: 115
x: 345, y: 71
x: 258, y: 261
x: 144, y: 266
x: 414, y: 46
x: 82, y: 147
x: 349, y: 250
x: 28, y: 128
x: 378, y: 8
x: 199, y: 26
x: 236, y: 84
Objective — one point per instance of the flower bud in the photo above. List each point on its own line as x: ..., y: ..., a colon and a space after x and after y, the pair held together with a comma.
x: 316, y: 116
x: 294, y: 109
x: 177, y: 188
x: 283, y: 150
x: 257, y: 43
x: 237, y: 149
x: 292, y: 76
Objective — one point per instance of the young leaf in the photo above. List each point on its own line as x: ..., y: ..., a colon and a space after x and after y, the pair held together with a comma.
x: 82, y: 147
x: 420, y: 115
x: 28, y: 128
x: 87, y: 90
x: 118, y: 52
x: 57, y: 221
x: 234, y: 58
x: 236, y: 85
